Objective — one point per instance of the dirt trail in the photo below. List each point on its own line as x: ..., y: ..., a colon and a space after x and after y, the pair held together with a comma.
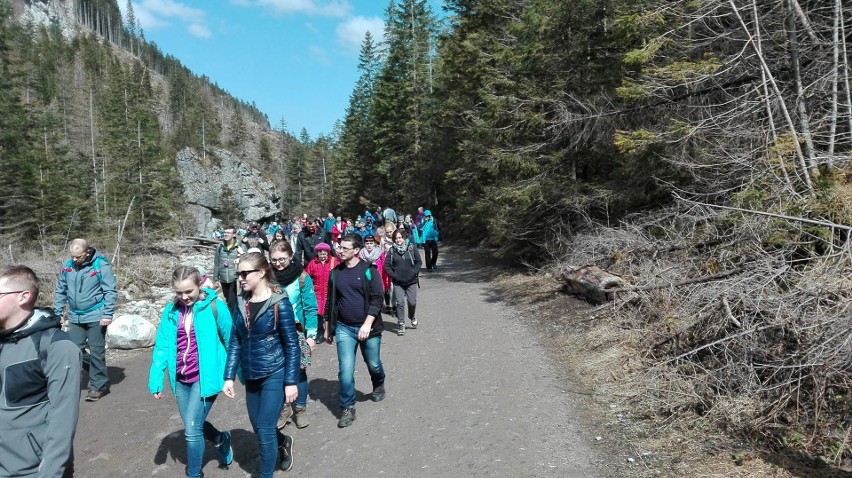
x: 470, y: 393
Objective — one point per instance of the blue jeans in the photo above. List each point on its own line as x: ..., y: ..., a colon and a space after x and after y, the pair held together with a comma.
x: 94, y: 362
x: 302, y: 399
x: 193, y: 410
x: 347, y: 341
x: 264, y: 401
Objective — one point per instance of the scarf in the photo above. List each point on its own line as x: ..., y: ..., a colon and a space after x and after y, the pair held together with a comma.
x: 290, y: 273
x: 401, y: 249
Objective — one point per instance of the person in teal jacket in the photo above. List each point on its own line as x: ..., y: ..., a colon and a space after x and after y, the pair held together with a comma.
x: 299, y: 288
x: 87, y: 287
x: 191, y: 344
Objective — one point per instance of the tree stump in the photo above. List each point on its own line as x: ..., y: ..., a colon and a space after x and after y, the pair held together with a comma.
x: 592, y: 283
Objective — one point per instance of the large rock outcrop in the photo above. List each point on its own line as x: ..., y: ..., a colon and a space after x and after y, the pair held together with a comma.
x: 58, y: 13
x: 204, y: 184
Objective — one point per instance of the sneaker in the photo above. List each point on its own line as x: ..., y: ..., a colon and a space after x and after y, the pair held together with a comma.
x: 286, y: 413
x: 378, y: 393
x: 95, y: 395
x: 400, y: 329
x: 285, y: 452
x: 226, y: 453
x: 346, y: 418
x: 413, y: 323
x: 300, y: 418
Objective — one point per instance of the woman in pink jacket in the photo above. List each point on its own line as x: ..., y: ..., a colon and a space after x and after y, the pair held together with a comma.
x: 319, y: 268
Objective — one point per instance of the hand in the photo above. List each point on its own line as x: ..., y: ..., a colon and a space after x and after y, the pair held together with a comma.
x: 325, y: 336
x: 228, y: 389
x: 290, y: 394
x: 312, y: 343
x: 364, y: 332
x: 105, y: 321
x: 158, y: 395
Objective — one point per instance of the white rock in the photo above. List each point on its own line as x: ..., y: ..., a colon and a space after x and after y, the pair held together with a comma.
x: 130, y: 332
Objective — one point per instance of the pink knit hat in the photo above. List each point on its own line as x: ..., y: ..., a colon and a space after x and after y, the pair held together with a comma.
x: 322, y: 247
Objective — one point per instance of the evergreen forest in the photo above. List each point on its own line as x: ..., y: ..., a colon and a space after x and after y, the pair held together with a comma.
x: 662, y: 139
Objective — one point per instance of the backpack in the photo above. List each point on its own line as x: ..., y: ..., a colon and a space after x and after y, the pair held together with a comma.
x: 96, y: 267
x: 41, y: 341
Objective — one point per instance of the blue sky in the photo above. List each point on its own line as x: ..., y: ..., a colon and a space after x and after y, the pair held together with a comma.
x: 295, y: 59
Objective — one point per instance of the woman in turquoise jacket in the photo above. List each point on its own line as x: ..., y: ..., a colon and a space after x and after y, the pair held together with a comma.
x: 299, y: 288
x: 191, y: 345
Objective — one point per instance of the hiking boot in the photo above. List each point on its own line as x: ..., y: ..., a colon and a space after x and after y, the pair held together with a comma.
x: 226, y: 453
x: 400, y: 329
x: 300, y: 418
x: 346, y: 418
x: 413, y: 323
x: 378, y: 394
x: 286, y: 413
x: 285, y: 453
x: 95, y: 395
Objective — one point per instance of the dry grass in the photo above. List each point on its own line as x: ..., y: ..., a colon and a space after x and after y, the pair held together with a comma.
x: 140, y: 269
x: 746, y: 376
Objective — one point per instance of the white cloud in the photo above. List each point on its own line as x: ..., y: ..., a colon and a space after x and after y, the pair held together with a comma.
x: 351, y: 32
x: 328, y: 8
x: 199, y: 31
x: 153, y: 14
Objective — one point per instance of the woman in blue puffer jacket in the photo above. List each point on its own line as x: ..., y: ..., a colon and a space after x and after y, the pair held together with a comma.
x: 191, y: 340
x: 265, y: 347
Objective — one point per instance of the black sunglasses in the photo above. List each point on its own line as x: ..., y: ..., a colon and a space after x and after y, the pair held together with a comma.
x: 244, y: 274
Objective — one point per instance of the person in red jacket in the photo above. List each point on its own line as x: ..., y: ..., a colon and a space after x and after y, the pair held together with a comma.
x: 319, y: 268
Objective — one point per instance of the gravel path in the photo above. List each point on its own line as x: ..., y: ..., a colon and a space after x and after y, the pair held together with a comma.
x: 469, y: 393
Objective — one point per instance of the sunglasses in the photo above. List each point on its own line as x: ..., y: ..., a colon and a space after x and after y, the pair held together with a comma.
x: 244, y: 274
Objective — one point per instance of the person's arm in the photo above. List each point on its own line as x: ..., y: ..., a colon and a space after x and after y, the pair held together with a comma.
x: 59, y: 296
x: 292, y: 352
x: 217, y: 262
x: 418, y: 262
x: 224, y: 322
x: 388, y: 265
x: 160, y: 354
x: 108, y: 286
x: 62, y: 369
x: 309, y: 307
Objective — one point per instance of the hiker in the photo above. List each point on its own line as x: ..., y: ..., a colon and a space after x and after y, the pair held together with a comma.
x: 430, y: 236
x: 264, y: 345
x: 355, y: 320
x: 40, y: 370
x: 402, y: 264
x: 86, y: 285
x: 320, y: 269
x: 300, y: 290
x: 308, y: 239
x: 225, y: 260
x: 192, y: 337
x: 254, y: 238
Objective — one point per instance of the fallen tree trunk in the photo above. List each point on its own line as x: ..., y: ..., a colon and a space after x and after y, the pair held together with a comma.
x: 592, y: 283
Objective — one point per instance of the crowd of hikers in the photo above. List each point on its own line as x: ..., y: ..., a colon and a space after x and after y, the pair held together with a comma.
x: 285, y: 289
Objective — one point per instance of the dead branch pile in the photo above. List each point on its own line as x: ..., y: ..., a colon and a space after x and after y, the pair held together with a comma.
x: 765, y: 351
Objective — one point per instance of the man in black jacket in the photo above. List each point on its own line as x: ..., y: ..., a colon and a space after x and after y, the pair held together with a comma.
x: 354, y: 309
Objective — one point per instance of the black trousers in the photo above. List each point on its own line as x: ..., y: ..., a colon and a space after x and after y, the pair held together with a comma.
x: 229, y: 290
x: 431, y: 249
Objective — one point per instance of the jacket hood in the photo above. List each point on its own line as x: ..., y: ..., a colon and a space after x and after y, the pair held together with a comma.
x: 42, y: 319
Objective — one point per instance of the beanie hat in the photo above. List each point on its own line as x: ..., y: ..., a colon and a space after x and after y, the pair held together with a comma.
x: 322, y: 247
